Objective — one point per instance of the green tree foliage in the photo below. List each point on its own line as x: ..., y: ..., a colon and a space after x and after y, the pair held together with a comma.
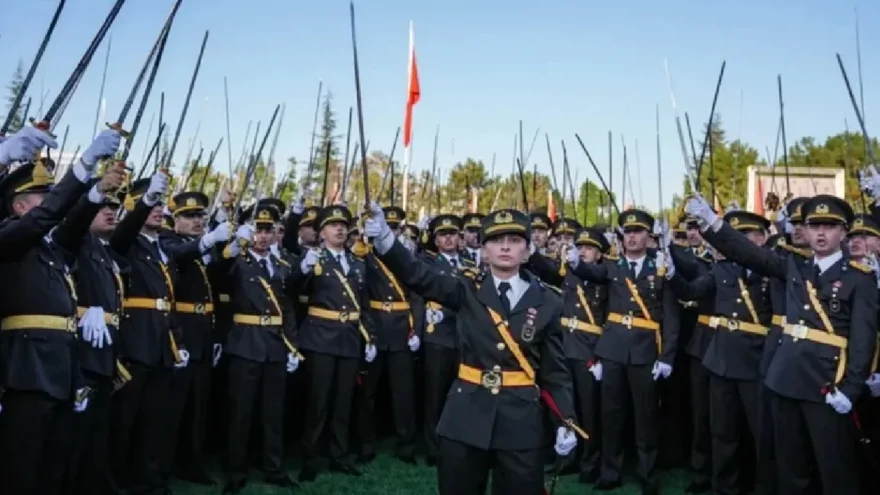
x: 15, y: 87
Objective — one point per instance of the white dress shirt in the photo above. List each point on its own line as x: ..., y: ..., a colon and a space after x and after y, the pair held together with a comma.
x: 268, y: 259
x: 639, y: 263
x: 826, y: 262
x: 340, y: 258
x: 452, y: 260
x: 475, y: 253
x: 155, y: 241
x: 518, y: 287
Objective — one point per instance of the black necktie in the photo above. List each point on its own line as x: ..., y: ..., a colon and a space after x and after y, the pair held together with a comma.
x: 264, y: 264
x: 454, y: 263
x: 632, y: 269
x: 156, y: 251
x: 503, y: 287
x: 339, y: 259
x: 817, y: 272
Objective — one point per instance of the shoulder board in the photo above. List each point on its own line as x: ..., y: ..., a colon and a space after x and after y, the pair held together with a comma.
x: 705, y: 259
x: 611, y: 258
x: 469, y: 272
x: 467, y: 261
x: 860, y: 266
x: 283, y: 262
x: 552, y: 256
x: 557, y: 290
x: 798, y: 251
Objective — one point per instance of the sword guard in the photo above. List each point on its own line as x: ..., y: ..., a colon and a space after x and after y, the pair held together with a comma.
x: 118, y: 128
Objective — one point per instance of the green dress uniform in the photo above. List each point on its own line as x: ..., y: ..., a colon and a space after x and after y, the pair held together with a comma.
x: 510, y: 350
x: 827, y: 344
x: 641, y: 331
x: 39, y: 372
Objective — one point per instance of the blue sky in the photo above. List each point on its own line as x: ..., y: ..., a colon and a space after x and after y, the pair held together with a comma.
x: 565, y: 66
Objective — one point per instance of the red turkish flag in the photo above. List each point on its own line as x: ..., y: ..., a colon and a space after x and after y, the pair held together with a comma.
x: 413, y: 92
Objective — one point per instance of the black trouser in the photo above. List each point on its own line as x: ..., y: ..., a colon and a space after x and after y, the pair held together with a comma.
x: 34, y: 443
x: 441, y: 368
x: 766, y: 463
x: 178, y: 394
x: 331, y: 392
x: 464, y: 470
x: 248, y: 381
x: 89, y: 468
x: 727, y: 400
x: 587, y: 395
x: 192, y: 390
x: 809, y: 430
x: 701, y: 440
x: 138, y: 419
x: 619, y: 383
x: 399, y: 367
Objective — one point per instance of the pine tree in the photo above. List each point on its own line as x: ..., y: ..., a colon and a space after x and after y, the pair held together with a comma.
x: 15, y: 87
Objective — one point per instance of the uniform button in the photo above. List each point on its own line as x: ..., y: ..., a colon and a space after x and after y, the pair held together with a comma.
x: 734, y: 315
x: 494, y: 391
x: 458, y: 390
x: 496, y: 368
x: 577, y: 305
x: 800, y: 322
x: 389, y: 298
x: 343, y: 306
x: 807, y: 307
x: 632, y: 299
x: 739, y: 300
x: 500, y: 346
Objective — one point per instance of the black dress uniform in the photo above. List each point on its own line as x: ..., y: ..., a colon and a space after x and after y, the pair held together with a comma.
x: 740, y: 324
x: 493, y: 419
x: 584, y: 310
x: 398, y: 316
x: 472, y: 222
x: 333, y: 337
x: 38, y: 367
x: 257, y: 347
x: 828, y: 341
x: 565, y: 228
x: 440, y: 341
x: 194, y: 312
x: 148, y: 346
x: 642, y: 329
x: 99, y: 283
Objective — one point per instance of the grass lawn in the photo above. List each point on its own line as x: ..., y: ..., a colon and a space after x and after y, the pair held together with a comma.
x: 387, y: 476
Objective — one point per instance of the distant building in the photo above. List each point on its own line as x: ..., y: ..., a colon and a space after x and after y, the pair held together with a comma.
x: 804, y: 181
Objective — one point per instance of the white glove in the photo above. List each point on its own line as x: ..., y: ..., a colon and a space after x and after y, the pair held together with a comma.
x: 869, y: 181
x: 220, y: 216
x: 596, y: 370
x: 566, y: 441
x: 82, y: 402
x: 839, y: 402
x: 667, y: 259
x: 245, y: 232
x: 158, y: 187
x: 377, y: 229
x: 414, y: 343
x: 105, y: 145
x: 24, y: 144
x: 94, y: 329
x: 309, y: 261
x: 661, y: 369
x: 698, y: 208
x: 183, y: 354
x: 298, y: 206
x: 423, y: 223
x: 408, y: 243
x: 573, y: 258
x: 433, y: 316
x: 219, y: 234
x: 292, y: 362
x: 873, y: 383
x: 218, y: 353
x: 370, y: 353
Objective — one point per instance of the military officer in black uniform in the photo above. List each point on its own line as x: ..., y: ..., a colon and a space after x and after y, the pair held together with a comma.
x: 337, y: 333
x: 39, y: 375
x: 540, y: 231
x: 740, y: 324
x: 398, y: 318
x: 470, y: 230
x: 511, y: 350
x: 564, y: 229
x: 584, y: 309
x: 636, y: 348
x: 829, y: 336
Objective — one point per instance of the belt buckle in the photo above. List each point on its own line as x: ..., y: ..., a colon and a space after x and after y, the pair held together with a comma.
x: 491, y: 380
x: 799, y: 331
x: 386, y: 306
x: 733, y: 325
x: 344, y: 316
x: 627, y: 321
x: 265, y: 320
x: 162, y: 305
x: 199, y: 308
x: 714, y: 321
x: 71, y: 325
x: 114, y: 320
x: 572, y: 324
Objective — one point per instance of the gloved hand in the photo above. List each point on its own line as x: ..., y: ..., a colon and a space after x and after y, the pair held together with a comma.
x: 670, y: 264
x: 698, y: 208
x: 219, y: 234
x: 573, y: 258
x: 370, y: 353
x: 873, y: 383
x: 377, y: 229
x: 423, y: 223
x: 218, y: 353
x: 221, y: 215
x: 869, y: 181
x: 433, y: 316
x: 184, y: 359
x: 82, y: 400
x: 661, y: 369
x: 157, y: 188
x: 566, y: 441
x: 94, y: 329
x: 292, y: 362
x: 105, y: 145
x: 414, y: 343
x: 298, y: 206
x: 596, y: 370
x: 24, y: 144
x: 245, y: 232
x: 309, y: 261
x: 839, y: 402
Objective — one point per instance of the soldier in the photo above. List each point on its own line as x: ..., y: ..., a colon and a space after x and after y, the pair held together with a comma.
x: 194, y: 312
x: 39, y: 379
x: 861, y: 238
x: 740, y: 324
x: 150, y: 344
x: 490, y: 420
x: 829, y: 336
x: 336, y: 334
x: 470, y: 232
x: 636, y: 348
x: 440, y: 342
x: 540, y: 231
x: 394, y: 312
x: 584, y: 309
x: 563, y: 231
x: 259, y: 346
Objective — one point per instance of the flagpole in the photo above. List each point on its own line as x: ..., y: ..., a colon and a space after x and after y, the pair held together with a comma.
x: 412, y: 97
x: 407, y: 154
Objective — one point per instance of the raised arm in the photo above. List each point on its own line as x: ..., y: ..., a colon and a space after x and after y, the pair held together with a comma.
x: 736, y: 247
x: 592, y: 272
x: 702, y: 287
x: 126, y: 233
x: 546, y: 270
x: 443, y: 288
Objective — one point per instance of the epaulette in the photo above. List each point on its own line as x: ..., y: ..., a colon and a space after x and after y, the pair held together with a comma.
x: 471, y: 273
x: 612, y: 258
x: 806, y: 253
x: 360, y: 249
x: 557, y: 290
x: 282, y: 261
x: 469, y: 262
x: 861, y: 267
